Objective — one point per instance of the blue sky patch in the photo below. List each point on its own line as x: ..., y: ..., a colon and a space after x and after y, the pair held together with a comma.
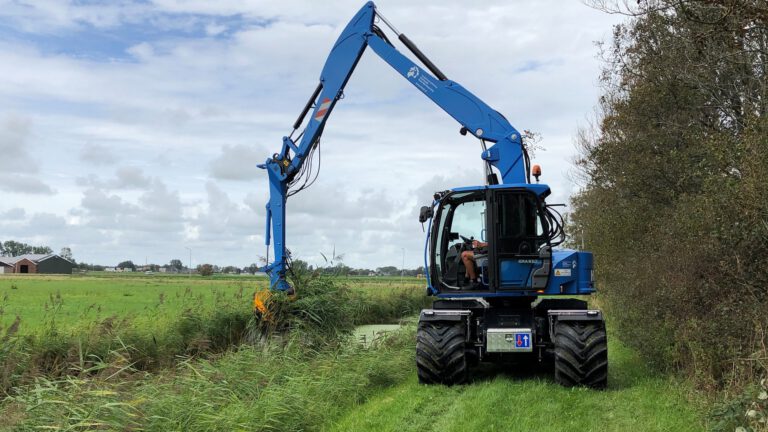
x: 112, y: 43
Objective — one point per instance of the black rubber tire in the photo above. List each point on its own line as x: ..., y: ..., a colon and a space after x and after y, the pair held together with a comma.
x: 440, y: 353
x: 581, y: 354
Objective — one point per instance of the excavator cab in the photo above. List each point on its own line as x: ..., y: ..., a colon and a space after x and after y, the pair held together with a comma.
x: 505, y: 227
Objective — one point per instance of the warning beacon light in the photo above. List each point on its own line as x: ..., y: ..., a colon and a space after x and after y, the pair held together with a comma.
x: 536, y: 172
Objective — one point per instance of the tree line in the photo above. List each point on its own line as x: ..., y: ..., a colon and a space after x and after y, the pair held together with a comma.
x: 674, y: 172
x: 12, y: 248
x: 339, y: 269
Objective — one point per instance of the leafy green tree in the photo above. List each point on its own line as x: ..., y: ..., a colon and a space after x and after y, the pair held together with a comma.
x: 342, y: 269
x: 127, y: 264
x: 176, y: 264
x: 415, y: 272
x: 91, y: 267
x: 230, y: 270
x: 298, y: 265
x: 42, y: 250
x: 205, y: 269
x: 66, y: 253
x: 388, y: 270
x: 14, y: 248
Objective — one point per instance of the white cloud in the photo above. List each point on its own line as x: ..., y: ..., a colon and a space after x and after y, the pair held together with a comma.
x: 24, y: 184
x: 14, y: 133
x: 142, y: 51
x: 50, y: 16
x: 215, y: 29
x: 238, y: 162
x: 97, y: 154
x: 131, y: 177
x: 18, y: 169
x: 125, y: 178
x: 13, y: 214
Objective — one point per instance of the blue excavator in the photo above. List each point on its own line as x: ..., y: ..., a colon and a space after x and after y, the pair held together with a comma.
x: 503, y: 290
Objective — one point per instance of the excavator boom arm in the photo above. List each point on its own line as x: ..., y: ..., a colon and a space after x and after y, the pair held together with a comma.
x: 506, y: 153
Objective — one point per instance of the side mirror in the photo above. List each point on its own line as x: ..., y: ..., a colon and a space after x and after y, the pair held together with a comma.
x: 425, y: 214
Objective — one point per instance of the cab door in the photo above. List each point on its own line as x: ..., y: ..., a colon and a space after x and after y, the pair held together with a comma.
x: 516, y: 228
x: 460, y: 218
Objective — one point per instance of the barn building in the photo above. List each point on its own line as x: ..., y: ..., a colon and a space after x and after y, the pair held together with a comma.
x: 36, y: 263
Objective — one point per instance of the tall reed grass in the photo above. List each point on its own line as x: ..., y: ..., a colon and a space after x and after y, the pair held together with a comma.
x: 324, y: 312
x: 278, y: 386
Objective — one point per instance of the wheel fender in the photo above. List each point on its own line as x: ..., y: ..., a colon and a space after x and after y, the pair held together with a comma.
x: 432, y: 315
x: 586, y: 315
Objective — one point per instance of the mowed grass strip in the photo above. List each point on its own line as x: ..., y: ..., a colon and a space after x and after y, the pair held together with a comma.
x: 499, y: 400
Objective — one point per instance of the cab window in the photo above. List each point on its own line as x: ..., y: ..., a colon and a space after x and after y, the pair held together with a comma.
x: 520, y: 225
x: 469, y: 220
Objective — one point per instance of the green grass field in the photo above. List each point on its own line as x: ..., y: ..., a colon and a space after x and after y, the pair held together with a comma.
x: 74, y: 300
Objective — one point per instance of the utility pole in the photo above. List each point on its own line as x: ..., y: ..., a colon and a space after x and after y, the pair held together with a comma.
x: 190, y: 260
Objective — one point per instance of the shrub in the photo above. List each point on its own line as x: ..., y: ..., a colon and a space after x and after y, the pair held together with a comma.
x: 675, y: 203
x: 205, y: 270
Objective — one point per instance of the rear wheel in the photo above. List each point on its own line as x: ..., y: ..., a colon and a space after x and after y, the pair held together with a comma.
x: 440, y: 353
x: 581, y: 354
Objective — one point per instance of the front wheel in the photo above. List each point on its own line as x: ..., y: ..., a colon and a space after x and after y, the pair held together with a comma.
x: 581, y: 354
x: 440, y: 353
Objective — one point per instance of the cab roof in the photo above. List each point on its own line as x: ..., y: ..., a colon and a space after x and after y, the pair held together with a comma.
x: 539, y: 189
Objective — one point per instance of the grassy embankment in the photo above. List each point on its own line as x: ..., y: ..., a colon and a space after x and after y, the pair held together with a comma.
x: 81, y: 326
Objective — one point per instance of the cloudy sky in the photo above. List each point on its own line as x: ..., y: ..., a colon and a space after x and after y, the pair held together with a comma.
x: 131, y: 130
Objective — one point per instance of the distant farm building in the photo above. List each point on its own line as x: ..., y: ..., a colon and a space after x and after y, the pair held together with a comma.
x: 36, y: 263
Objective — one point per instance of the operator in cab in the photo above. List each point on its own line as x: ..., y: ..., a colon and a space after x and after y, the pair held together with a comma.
x: 468, y: 258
